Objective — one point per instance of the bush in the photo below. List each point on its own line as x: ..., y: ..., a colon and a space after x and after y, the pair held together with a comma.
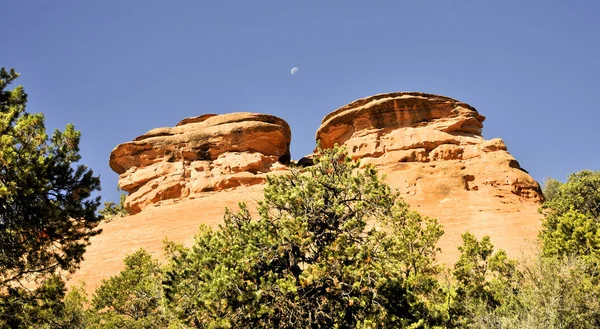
x: 312, y: 259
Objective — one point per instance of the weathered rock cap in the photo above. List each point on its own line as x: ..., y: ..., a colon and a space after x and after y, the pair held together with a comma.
x: 398, y: 110
x: 204, y: 138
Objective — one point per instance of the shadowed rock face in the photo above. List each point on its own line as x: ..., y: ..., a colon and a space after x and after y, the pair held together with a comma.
x: 205, y: 153
x: 424, y: 141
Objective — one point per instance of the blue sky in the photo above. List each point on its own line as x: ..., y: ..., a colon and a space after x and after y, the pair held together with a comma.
x: 117, y: 69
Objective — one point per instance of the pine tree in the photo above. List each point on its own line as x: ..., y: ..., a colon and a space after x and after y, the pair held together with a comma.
x: 46, y: 213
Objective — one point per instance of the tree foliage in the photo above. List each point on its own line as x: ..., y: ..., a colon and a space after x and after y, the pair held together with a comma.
x: 46, y: 214
x: 131, y: 299
x: 554, y: 293
x: 111, y: 210
x: 559, y: 292
x: 312, y: 259
x: 486, y: 283
x: 571, y: 226
x: 560, y: 288
x: 550, y: 188
x: 46, y: 307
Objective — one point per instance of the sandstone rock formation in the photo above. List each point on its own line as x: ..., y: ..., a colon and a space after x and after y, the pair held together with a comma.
x: 434, y: 143
x: 205, y: 153
x: 429, y: 147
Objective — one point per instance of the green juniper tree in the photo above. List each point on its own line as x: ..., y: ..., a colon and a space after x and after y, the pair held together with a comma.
x: 571, y: 226
x: 131, y: 299
x: 333, y: 247
x: 46, y: 214
x: 486, y: 285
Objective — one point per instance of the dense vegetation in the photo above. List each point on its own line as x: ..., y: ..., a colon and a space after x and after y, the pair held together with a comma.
x: 310, y: 260
x: 332, y: 247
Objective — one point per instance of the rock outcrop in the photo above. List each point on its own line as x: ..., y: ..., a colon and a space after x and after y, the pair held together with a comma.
x: 200, y: 154
x: 432, y: 144
x: 429, y: 147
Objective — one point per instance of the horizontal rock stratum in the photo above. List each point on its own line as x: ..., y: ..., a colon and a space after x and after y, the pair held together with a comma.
x: 429, y: 147
x: 201, y: 154
x: 431, y: 144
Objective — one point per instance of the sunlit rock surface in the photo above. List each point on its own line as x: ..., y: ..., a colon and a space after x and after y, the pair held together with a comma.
x: 202, y: 154
x: 429, y: 147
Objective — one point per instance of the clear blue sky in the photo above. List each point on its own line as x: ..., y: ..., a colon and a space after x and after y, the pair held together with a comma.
x: 117, y: 69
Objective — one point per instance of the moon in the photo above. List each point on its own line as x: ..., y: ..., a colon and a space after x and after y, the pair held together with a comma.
x: 294, y: 70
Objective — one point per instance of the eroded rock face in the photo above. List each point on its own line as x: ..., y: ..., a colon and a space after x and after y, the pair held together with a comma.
x: 428, y: 145
x: 205, y: 153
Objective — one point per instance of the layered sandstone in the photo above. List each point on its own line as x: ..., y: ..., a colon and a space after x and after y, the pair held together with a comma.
x: 429, y: 147
x: 201, y: 154
x: 416, y: 135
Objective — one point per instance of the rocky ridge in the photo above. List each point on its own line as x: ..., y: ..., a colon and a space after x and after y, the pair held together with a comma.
x: 429, y: 147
